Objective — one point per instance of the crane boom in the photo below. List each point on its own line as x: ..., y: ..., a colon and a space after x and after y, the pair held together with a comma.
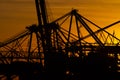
x: 41, y: 12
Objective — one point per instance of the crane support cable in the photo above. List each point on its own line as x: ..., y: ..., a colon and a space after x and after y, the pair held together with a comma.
x: 12, y: 39
x: 102, y: 29
x: 89, y: 30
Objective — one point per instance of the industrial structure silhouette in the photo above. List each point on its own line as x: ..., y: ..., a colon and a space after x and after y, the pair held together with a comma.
x: 54, y: 51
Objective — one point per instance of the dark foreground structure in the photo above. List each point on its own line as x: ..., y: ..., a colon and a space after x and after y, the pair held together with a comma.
x: 68, y: 48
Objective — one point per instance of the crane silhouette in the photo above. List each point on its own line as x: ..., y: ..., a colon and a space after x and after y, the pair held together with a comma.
x: 64, y: 49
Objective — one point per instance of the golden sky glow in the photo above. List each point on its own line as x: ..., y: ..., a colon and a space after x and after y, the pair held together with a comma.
x: 15, y: 15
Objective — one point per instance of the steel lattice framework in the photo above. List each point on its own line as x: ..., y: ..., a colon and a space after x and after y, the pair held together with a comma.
x: 71, y: 35
x: 27, y: 45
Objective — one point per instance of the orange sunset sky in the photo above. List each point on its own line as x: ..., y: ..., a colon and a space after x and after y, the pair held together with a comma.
x: 15, y: 15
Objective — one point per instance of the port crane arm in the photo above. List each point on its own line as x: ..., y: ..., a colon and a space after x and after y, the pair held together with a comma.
x: 103, y: 29
x: 41, y: 12
x: 89, y: 30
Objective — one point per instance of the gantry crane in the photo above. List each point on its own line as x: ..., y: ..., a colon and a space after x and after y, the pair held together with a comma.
x: 62, y: 48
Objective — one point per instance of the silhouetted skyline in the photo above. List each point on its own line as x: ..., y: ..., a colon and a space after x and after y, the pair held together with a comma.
x: 61, y: 49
